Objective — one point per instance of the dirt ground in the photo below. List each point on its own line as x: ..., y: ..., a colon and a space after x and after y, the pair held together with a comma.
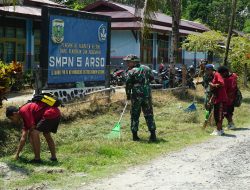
x: 221, y: 163
x: 19, y: 97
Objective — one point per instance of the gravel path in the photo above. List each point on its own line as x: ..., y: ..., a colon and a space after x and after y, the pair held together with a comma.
x: 19, y: 97
x: 222, y: 163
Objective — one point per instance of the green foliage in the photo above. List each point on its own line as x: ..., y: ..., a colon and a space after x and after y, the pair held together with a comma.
x: 149, y: 9
x: 216, y: 13
x: 240, y: 47
x: 28, y: 78
x: 9, y: 76
x: 5, y: 72
x: 207, y: 41
x: 247, y: 26
x: 212, y: 41
x: 12, y: 77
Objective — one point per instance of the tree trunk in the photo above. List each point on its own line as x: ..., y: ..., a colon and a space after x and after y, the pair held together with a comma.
x: 245, y: 75
x: 210, y: 57
x: 176, y: 15
x: 234, y: 3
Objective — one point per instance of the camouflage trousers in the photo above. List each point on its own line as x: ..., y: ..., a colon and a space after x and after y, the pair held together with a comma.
x: 144, y: 104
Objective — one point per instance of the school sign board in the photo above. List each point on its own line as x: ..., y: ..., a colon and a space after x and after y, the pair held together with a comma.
x: 75, y: 46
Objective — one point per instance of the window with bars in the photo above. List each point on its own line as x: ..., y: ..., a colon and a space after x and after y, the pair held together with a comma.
x: 163, y: 43
x: 12, y: 44
x: 147, y: 51
x: 37, y: 36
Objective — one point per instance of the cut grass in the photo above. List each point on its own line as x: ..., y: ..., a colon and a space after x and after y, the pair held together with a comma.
x: 83, y: 149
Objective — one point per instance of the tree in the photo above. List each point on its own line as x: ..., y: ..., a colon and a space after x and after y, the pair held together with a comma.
x: 234, y: 2
x: 212, y: 41
x: 239, y: 56
x: 216, y: 13
x: 149, y: 7
x: 176, y: 17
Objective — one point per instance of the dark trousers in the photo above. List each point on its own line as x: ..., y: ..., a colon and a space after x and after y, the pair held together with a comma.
x: 229, y: 113
x: 218, y: 115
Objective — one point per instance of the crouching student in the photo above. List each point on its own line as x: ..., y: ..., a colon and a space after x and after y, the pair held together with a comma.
x: 35, y: 117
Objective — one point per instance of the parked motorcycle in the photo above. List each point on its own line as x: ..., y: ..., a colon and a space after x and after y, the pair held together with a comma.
x: 117, y: 77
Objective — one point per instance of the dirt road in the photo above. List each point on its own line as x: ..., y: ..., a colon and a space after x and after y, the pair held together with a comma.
x: 222, y: 163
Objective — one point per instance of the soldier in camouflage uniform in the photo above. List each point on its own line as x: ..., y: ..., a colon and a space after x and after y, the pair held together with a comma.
x: 138, y: 90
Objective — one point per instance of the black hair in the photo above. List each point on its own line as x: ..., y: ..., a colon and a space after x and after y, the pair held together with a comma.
x: 223, y: 69
x: 11, y: 110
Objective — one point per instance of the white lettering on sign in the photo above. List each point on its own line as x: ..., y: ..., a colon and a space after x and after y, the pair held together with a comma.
x: 79, y: 61
x: 90, y: 62
x: 61, y: 61
x: 94, y: 62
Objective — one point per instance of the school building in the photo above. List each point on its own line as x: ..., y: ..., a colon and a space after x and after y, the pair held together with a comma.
x: 126, y: 25
x: 20, y: 33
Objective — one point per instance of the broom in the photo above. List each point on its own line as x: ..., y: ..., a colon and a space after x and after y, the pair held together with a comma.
x: 116, y: 131
x: 208, y: 115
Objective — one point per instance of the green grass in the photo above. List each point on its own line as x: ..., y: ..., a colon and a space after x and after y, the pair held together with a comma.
x: 83, y: 149
x: 1, y: 183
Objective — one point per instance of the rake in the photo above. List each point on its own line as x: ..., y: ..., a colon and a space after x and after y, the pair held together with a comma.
x: 116, y: 131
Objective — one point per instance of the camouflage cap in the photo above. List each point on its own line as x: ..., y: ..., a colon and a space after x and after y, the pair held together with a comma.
x: 131, y: 57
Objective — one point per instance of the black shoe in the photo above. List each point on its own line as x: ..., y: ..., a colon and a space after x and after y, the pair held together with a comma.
x: 35, y: 161
x: 53, y: 159
x: 152, y: 137
x: 135, y: 137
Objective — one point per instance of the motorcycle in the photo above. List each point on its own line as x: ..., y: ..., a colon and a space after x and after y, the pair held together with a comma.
x: 117, y: 77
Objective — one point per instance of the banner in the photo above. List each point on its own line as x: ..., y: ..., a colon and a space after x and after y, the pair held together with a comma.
x: 77, y: 49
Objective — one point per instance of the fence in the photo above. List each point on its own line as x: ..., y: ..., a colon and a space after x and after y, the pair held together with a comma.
x: 106, y: 94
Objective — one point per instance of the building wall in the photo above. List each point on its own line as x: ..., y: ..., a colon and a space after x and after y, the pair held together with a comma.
x: 192, y: 58
x: 123, y: 43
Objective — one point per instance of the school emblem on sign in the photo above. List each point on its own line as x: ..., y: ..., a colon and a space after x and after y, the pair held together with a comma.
x: 102, y: 33
x: 57, y: 31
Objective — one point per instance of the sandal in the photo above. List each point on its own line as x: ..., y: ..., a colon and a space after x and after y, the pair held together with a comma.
x: 53, y: 159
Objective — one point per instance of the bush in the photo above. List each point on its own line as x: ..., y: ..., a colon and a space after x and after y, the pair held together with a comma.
x: 11, y: 77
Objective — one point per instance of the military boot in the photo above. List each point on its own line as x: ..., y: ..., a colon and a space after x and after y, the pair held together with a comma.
x: 135, y: 136
x: 152, y: 137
